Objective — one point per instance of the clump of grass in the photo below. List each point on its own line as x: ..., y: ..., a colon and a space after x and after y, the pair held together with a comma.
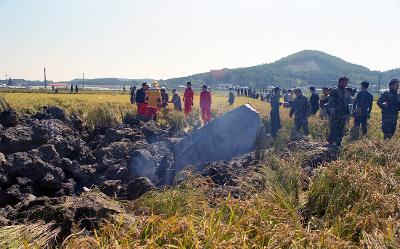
x: 36, y: 235
x: 261, y: 144
x: 100, y: 116
x: 4, y: 105
x: 286, y: 174
x: 263, y: 221
x: 173, y: 119
x: 185, y: 198
x: 374, y: 151
x: 357, y: 197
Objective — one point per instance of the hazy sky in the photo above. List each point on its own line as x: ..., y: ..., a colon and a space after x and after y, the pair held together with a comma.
x: 168, y: 38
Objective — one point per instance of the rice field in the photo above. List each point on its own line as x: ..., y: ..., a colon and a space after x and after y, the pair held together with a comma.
x: 350, y: 203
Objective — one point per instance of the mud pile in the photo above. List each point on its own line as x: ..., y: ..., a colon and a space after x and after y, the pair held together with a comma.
x: 53, y: 168
x: 51, y: 154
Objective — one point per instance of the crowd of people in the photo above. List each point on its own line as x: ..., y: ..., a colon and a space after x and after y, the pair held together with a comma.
x: 151, y: 99
x: 337, y: 105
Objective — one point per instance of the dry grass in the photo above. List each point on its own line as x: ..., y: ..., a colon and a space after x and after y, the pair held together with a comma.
x: 37, y: 235
x: 350, y: 204
x: 353, y: 202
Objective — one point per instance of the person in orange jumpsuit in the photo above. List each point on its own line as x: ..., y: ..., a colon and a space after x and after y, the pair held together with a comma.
x: 188, y: 98
x: 205, y: 104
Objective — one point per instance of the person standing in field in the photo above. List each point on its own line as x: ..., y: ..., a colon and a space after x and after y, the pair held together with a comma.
x: 314, y: 101
x: 389, y: 104
x: 362, y: 110
x: 288, y: 98
x: 176, y: 100
x: 133, y: 95
x: 164, y: 97
x: 154, y: 100
x: 141, y: 100
x: 188, y: 97
x: 301, y: 110
x: 323, y: 103
x: 231, y: 97
x: 275, y: 118
x: 205, y: 104
x: 338, y: 107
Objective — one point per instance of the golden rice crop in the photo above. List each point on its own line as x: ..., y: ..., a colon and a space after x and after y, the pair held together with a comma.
x: 353, y: 202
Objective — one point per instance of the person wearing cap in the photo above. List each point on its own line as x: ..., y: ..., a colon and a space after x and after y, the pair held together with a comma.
x: 389, y: 104
x: 176, y: 100
x: 288, y: 98
x: 323, y: 103
x: 339, y: 102
x: 205, y: 104
x: 275, y: 118
x: 188, y: 97
x: 301, y: 109
x: 141, y: 100
x: 164, y: 97
x: 362, y: 110
x: 231, y: 97
x: 314, y: 100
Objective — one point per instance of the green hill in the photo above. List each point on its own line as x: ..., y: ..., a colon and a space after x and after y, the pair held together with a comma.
x: 305, y: 68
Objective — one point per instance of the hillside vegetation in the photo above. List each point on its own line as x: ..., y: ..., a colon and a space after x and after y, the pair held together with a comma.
x: 304, y: 68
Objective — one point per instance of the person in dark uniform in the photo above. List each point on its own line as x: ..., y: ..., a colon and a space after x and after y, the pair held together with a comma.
x: 314, y: 101
x: 323, y: 103
x: 275, y: 118
x: 362, y: 110
x: 301, y: 109
x: 389, y: 104
x: 339, y: 111
x: 141, y: 100
x: 231, y: 96
x: 164, y: 97
x: 176, y: 100
x: 133, y: 95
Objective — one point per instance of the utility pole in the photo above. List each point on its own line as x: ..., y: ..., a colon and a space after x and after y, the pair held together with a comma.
x: 45, y: 80
x: 83, y: 81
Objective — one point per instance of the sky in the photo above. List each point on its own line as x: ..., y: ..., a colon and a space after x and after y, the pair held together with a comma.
x: 161, y: 39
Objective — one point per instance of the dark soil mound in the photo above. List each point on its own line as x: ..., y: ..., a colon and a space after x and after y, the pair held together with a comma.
x: 53, y: 155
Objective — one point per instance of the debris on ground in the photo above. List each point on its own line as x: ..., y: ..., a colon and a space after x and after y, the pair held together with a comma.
x: 232, y: 134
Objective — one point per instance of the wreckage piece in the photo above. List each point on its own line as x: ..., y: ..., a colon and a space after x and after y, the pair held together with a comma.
x: 230, y: 135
